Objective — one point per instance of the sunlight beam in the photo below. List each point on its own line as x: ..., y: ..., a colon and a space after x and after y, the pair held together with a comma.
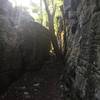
x: 28, y: 4
x: 24, y: 3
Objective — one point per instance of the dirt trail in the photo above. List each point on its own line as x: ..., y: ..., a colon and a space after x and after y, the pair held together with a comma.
x: 40, y: 85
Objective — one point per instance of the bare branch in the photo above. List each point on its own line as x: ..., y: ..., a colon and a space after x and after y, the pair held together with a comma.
x: 46, y: 7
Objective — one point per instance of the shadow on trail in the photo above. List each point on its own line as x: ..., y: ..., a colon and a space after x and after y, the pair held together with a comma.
x: 39, y: 85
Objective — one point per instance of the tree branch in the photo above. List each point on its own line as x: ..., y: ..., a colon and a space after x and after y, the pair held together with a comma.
x: 46, y: 7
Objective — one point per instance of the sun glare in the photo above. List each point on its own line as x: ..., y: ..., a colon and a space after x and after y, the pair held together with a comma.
x: 27, y: 4
x: 24, y: 3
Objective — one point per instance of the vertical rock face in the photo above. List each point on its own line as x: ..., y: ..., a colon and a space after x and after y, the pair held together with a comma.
x: 10, y: 57
x: 8, y: 39
x: 83, y: 49
x: 34, y: 42
x: 5, y: 7
x: 24, y: 44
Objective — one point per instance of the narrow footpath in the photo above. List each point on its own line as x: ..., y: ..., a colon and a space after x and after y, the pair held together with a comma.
x: 38, y: 85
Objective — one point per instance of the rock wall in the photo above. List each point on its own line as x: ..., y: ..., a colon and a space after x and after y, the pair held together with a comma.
x: 24, y: 44
x: 82, y: 49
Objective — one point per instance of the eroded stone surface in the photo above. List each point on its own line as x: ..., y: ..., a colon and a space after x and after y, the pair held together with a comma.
x: 82, y: 52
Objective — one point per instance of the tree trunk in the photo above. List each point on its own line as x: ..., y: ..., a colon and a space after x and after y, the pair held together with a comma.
x: 41, y: 12
x: 52, y: 31
x: 53, y: 36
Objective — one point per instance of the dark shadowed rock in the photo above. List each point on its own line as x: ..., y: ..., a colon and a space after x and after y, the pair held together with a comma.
x: 34, y: 41
x: 83, y: 49
x: 23, y: 46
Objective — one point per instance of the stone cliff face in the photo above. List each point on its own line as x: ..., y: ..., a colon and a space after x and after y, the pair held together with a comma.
x: 82, y: 46
x: 24, y: 44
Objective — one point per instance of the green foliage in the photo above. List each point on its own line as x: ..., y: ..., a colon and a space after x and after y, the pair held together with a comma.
x: 43, y: 16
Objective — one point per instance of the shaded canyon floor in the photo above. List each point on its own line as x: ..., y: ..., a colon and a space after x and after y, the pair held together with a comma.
x: 38, y: 85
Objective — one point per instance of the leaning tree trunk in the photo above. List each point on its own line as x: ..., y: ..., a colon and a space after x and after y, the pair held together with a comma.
x: 53, y: 36
x: 52, y: 31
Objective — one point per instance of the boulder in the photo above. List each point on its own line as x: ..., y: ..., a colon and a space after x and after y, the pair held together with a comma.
x: 23, y: 46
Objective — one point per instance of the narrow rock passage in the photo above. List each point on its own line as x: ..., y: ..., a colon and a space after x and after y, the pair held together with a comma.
x: 40, y: 85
